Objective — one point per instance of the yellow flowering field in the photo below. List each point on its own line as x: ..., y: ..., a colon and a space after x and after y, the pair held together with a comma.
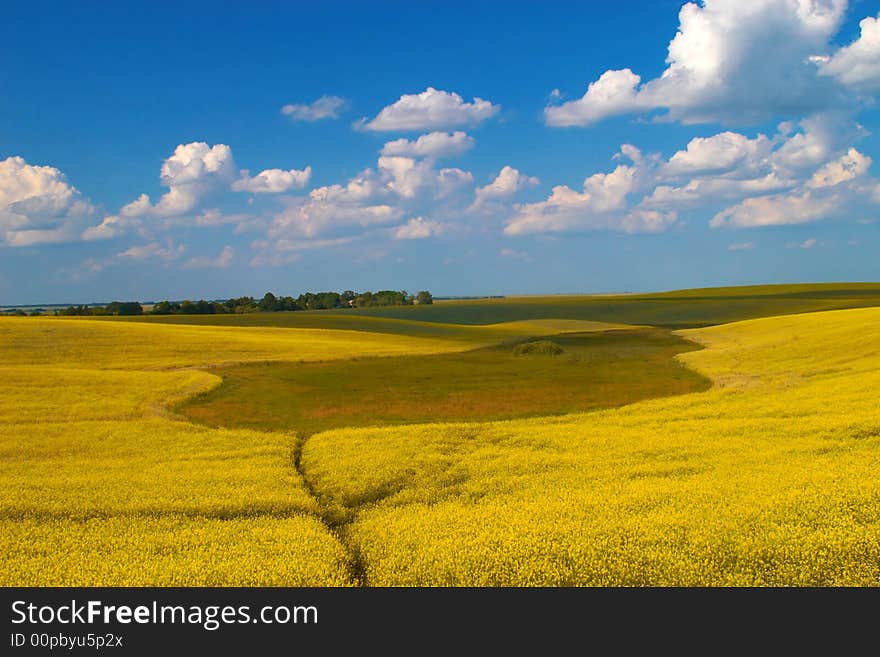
x: 100, y: 485
x: 769, y: 478
x: 75, y: 342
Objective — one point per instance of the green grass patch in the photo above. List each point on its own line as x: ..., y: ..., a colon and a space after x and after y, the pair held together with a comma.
x: 595, y: 370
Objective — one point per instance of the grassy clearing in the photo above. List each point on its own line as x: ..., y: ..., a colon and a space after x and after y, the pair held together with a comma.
x: 593, y: 370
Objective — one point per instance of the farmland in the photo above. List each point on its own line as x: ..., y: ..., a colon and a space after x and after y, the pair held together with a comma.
x: 354, y: 448
x: 677, y: 310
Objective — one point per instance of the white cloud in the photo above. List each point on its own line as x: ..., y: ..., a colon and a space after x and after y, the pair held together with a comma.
x: 707, y: 189
x: 372, y: 203
x: 858, y: 64
x: 326, y: 107
x: 602, y: 206
x: 743, y: 246
x: 432, y: 109
x: 807, y: 244
x: 719, y: 154
x: 111, y: 226
x: 223, y: 260
x: 192, y: 172
x: 508, y: 182
x: 409, y: 178
x: 612, y: 94
x: 418, y: 228
x: 847, y: 167
x: 802, y: 174
x: 272, y: 181
x: 821, y: 136
x: 433, y: 144
x: 334, y: 208
x: 153, y: 251
x: 726, y: 63
x: 778, y: 210
x: 39, y: 206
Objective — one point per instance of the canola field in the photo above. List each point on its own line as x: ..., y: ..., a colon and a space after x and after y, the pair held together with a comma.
x: 100, y: 485
x: 768, y: 478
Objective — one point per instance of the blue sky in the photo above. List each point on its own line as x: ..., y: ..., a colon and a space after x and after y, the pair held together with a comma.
x: 467, y: 148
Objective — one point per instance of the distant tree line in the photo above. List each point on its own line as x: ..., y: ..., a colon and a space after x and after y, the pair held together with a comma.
x: 269, y: 303
x: 114, y: 308
x: 306, y: 301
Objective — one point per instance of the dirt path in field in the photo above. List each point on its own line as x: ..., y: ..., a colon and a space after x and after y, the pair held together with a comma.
x: 335, y: 522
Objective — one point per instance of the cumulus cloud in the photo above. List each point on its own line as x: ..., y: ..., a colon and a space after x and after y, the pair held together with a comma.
x: 372, y: 203
x: 718, y: 154
x: 601, y: 206
x: 799, y: 175
x: 433, y: 109
x: 433, y: 144
x: 373, y: 199
x: 334, y: 208
x: 409, y: 178
x: 858, y: 64
x: 776, y: 210
x: 272, y: 181
x: 725, y: 64
x: 223, y: 260
x: 612, y: 94
x: 820, y: 137
x: 326, y: 107
x: 192, y: 172
x: 418, y: 228
x: 508, y: 182
x: 847, y: 167
x: 111, y: 226
x: 39, y: 206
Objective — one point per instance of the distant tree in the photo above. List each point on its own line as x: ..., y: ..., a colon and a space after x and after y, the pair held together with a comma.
x: 389, y: 298
x: 124, y: 308
x: 287, y: 303
x: 424, y: 298
x: 241, y: 305
x: 364, y: 299
x: 165, y: 308
x: 79, y: 310
x: 327, y: 300
x: 268, y: 303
